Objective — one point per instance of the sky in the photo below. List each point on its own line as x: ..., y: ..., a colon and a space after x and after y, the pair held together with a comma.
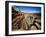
x: 28, y: 9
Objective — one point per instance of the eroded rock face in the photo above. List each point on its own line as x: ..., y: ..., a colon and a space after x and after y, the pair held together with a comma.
x: 33, y: 28
x: 26, y: 21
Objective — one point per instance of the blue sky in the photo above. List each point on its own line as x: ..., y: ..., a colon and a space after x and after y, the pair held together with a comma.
x: 28, y: 9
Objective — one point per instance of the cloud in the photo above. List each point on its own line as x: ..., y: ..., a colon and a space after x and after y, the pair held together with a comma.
x: 31, y: 11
